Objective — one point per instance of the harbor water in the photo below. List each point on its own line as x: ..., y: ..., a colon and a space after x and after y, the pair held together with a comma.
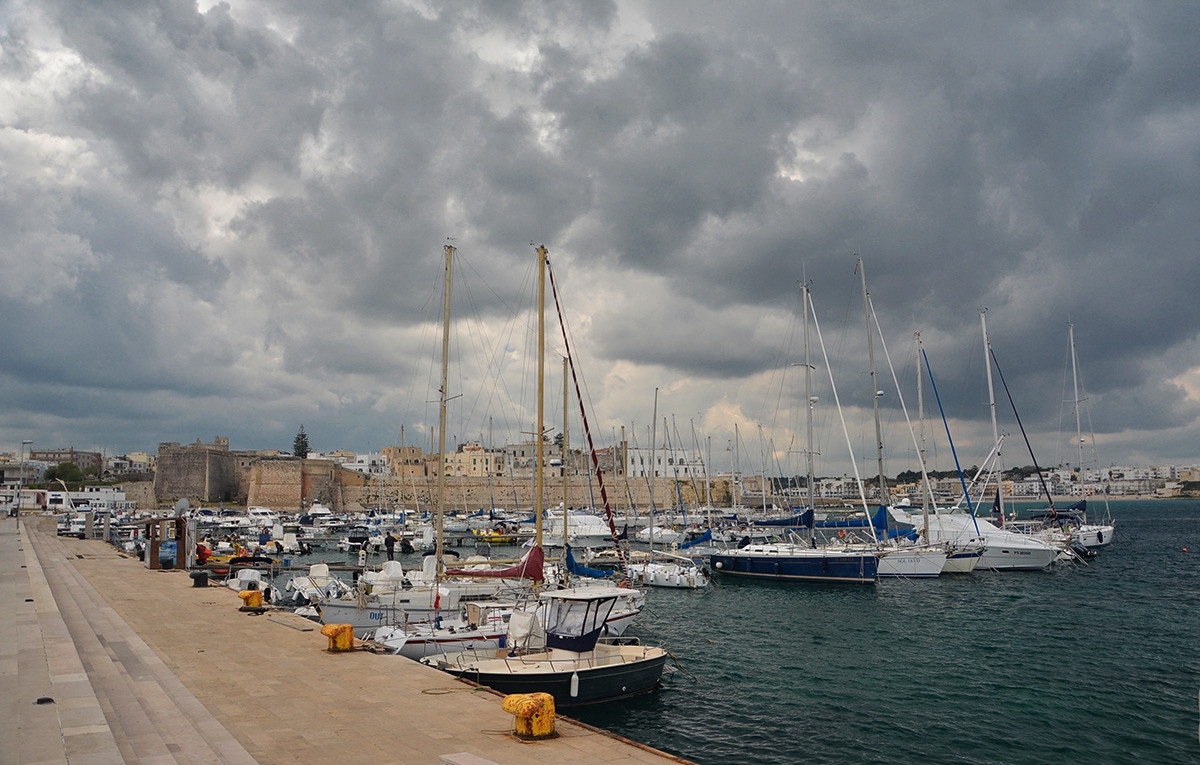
x: 1096, y: 663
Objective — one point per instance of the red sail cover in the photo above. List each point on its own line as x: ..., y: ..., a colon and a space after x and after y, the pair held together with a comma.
x: 530, y: 567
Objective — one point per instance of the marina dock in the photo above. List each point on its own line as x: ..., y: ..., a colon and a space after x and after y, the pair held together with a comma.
x: 139, y: 666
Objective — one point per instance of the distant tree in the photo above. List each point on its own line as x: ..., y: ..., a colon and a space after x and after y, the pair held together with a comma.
x: 558, y: 440
x: 66, y: 471
x: 300, y: 443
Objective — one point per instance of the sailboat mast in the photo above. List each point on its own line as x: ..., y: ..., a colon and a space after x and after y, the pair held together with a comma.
x: 653, y: 466
x: 921, y: 451
x: 875, y: 391
x: 735, y: 479
x: 1078, y: 423
x: 539, y: 481
x: 810, y: 401
x: 441, y: 482
x: 566, y: 478
x: 987, y: 362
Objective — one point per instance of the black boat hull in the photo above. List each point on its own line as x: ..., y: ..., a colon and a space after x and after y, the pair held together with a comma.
x: 596, y: 684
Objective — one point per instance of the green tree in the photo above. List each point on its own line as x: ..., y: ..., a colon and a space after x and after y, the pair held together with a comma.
x: 67, y: 471
x: 300, y: 443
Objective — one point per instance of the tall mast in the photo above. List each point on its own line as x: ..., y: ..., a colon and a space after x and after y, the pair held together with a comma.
x: 566, y: 477
x: 653, y: 465
x: 441, y: 482
x: 875, y: 392
x: 737, y: 469
x: 539, y: 482
x: 810, y: 401
x: 921, y: 451
x: 987, y: 361
x: 1078, y: 424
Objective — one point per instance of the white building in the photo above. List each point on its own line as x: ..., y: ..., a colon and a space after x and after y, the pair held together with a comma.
x: 662, y: 463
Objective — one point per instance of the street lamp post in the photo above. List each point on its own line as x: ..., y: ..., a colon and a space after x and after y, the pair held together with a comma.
x: 21, y: 480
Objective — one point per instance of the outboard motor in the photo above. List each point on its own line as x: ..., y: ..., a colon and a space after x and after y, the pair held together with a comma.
x: 1080, y: 551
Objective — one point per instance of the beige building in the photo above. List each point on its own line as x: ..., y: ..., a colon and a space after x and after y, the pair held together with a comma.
x: 471, y: 460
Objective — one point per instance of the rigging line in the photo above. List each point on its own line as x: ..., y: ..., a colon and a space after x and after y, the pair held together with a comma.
x: 833, y: 387
x: 587, y: 429
x: 780, y: 369
x: 946, y: 424
x: 1041, y: 479
x: 582, y: 390
x: 424, y: 345
x: 493, y: 367
x: 512, y: 311
x: 477, y: 332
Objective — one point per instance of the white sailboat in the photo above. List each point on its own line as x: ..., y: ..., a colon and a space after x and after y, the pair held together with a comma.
x: 924, y: 560
x: 1003, y: 549
x: 799, y: 560
x: 557, y: 648
x: 1090, y: 535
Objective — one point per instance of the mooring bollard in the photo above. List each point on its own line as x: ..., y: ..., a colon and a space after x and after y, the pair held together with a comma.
x: 534, y: 713
x: 341, y: 637
x: 251, y: 598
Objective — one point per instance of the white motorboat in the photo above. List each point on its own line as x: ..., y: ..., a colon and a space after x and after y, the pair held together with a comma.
x: 484, y: 625
x: 660, y: 535
x: 662, y: 569
x: 557, y: 649
x: 583, y: 530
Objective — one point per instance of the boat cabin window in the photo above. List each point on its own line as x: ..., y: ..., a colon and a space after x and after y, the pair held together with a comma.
x: 579, y: 617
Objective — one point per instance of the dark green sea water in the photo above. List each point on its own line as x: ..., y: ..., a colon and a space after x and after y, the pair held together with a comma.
x: 1088, y: 664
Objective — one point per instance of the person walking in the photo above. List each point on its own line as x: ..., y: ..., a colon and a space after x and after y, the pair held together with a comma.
x: 389, y: 542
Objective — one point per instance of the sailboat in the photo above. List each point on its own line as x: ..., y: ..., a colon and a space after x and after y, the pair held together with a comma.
x: 921, y: 561
x: 395, y: 597
x: 556, y: 647
x: 1003, y: 549
x: 799, y: 560
x: 1090, y: 535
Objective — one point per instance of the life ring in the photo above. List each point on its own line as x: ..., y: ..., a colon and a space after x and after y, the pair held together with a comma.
x: 841, y: 533
x: 624, y: 584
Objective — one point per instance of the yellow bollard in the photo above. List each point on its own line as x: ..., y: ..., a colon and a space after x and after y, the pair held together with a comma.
x: 251, y: 598
x: 341, y: 637
x: 534, y: 714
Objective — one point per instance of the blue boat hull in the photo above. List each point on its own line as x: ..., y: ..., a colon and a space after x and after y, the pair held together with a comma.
x: 852, y: 569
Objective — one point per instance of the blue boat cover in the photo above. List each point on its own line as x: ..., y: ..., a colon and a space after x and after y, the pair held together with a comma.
x: 705, y: 537
x: 574, y: 568
x: 804, y: 519
x: 879, y: 522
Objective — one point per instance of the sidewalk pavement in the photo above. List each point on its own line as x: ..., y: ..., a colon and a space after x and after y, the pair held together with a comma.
x: 145, y: 668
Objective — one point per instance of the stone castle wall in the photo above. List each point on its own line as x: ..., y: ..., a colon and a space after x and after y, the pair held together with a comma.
x: 201, y: 475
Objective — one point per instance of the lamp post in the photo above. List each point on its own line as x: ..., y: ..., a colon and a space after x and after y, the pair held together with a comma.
x: 21, y: 480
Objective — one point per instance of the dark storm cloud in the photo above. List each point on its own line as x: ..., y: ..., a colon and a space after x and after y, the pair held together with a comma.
x: 239, y: 209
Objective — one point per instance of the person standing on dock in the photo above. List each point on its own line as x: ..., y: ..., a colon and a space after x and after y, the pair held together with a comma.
x: 389, y: 542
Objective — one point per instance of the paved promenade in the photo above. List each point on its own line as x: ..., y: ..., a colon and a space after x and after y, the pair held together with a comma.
x: 144, y: 668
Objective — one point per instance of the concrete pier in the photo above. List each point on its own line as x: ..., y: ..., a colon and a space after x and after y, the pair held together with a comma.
x: 142, y: 667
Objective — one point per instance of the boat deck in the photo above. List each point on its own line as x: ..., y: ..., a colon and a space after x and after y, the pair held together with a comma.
x: 145, y: 668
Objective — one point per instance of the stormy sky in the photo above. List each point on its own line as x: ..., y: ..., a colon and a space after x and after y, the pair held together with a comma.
x: 229, y: 219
